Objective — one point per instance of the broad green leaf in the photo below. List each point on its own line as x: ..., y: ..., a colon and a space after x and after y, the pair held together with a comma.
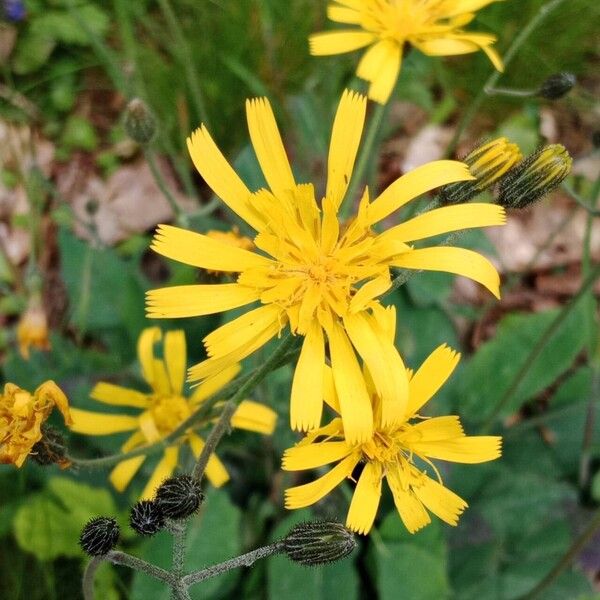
x: 33, y: 50
x: 488, y: 375
x: 64, y: 27
x: 294, y: 582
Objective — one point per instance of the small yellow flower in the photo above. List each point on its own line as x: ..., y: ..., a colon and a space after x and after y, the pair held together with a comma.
x: 21, y: 418
x: 432, y: 26
x: 232, y: 237
x: 399, y: 452
x: 163, y: 409
x: 312, y: 271
x: 32, y: 330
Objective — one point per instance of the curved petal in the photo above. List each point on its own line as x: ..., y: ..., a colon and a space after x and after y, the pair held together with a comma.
x: 175, y: 359
x: 268, y: 146
x: 430, y: 377
x: 125, y: 471
x: 116, y: 395
x: 253, y: 416
x: 452, y: 260
x: 384, y: 81
x: 163, y: 470
x: 467, y: 449
x: 441, y: 501
x: 341, y: 14
x: 311, y: 456
x: 212, y: 385
x: 199, y: 250
x: 215, y: 469
x: 92, y: 423
x: 345, y: 140
x: 309, y: 493
x: 339, y: 42
x: 447, y: 219
x: 365, y: 501
x: 145, y: 351
x: 306, y: 402
x: 329, y: 392
x: 409, y: 507
x: 415, y: 183
x: 219, y: 175
x: 197, y: 300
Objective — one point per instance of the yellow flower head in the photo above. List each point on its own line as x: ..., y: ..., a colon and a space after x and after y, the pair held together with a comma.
x: 400, y: 453
x: 162, y: 410
x: 32, y: 330
x: 21, y: 418
x: 311, y: 271
x: 432, y: 26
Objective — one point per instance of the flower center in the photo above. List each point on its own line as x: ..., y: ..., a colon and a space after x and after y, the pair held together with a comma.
x: 384, y: 447
x: 168, y: 412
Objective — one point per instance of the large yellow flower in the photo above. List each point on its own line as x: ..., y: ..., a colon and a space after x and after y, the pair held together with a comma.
x: 21, y: 418
x: 432, y: 26
x: 320, y: 276
x: 163, y: 410
x: 400, y: 453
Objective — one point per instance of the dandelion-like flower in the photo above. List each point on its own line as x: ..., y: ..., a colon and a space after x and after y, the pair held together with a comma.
x: 432, y: 26
x: 399, y: 453
x: 163, y: 409
x: 312, y: 271
x: 32, y: 329
x: 22, y: 415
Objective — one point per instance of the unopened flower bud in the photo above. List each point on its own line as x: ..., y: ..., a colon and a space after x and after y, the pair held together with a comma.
x: 535, y: 176
x: 51, y: 449
x: 557, y: 86
x: 99, y: 536
x: 318, y: 543
x: 146, y: 517
x: 487, y: 163
x: 139, y: 122
x: 179, y: 497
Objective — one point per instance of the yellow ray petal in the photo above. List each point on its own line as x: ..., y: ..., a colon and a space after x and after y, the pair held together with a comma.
x: 125, y: 471
x: 309, y: 493
x: 370, y: 290
x: 197, y: 300
x: 145, y: 351
x: 215, y: 469
x: 415, y: 183
x: 435, y: 429
x: 199, y: 250
x: 329, y: 393
x: 339, y: 42
x: 116, y: 395
x: 355, y: 404
x: 409, y: 507
x: 467, y: 449
x: 175, y: 359
x: 312, y: 456
x: 92, y: 423
x: 344, y: 15
x: 164, y: 469
x: 268, y: 146
x: 452, y: 260
x: 468, y: 6
x: 214, y: 384
x: 365, y: 501
x: 384, y: 364
x: 447, y: 219
x: 383, y: 83
x: 441, y: 501
x: 430, y: 377
x: 219, y: 175
x: 306, y: 403
x: 253, y: 416
x: 345, y: 139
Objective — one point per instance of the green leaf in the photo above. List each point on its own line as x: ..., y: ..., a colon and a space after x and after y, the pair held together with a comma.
x: 49, y: 524
x: 491, y: 371
x: 79, y: 134
x: 213, y: 536
x: 410, y: 565
x: 63, y: 27
x: 33, y: 50
x: 294, y: 582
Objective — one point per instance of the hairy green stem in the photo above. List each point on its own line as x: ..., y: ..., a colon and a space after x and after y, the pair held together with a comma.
x: 89, y: 575
x: 178, y: 531
x: 245, y: 560
x: 116, y: 557
x: 519, y: 40
x: 514, y: 386
x: 570, y: 555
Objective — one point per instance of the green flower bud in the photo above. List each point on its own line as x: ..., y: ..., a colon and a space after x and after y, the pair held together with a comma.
x: 318, y: 543
x: 535, y: 176
x: 557, y: 86
x: 139, y: 122
x: 487, y: 163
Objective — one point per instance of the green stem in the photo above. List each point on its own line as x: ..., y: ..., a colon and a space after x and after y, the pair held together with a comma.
x: 592, y: 210
x: 576, y: 547
x: 88, y: 577
x: 178, y: 530
x: 512, y: 92
x: 245, y: 560
x: 223, y: 424
x: 368, y: 149
x: 519, y: 40
x: 127, y: 560
x: 513, y: 388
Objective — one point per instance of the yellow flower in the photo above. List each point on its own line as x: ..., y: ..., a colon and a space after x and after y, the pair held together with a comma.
x: 163, y: 409
x: 314, y: 273
x: 21, y: 418
x: 233, y: 238
x: 32, y: 329
x: 432, y: 26
x: 400, y: 453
